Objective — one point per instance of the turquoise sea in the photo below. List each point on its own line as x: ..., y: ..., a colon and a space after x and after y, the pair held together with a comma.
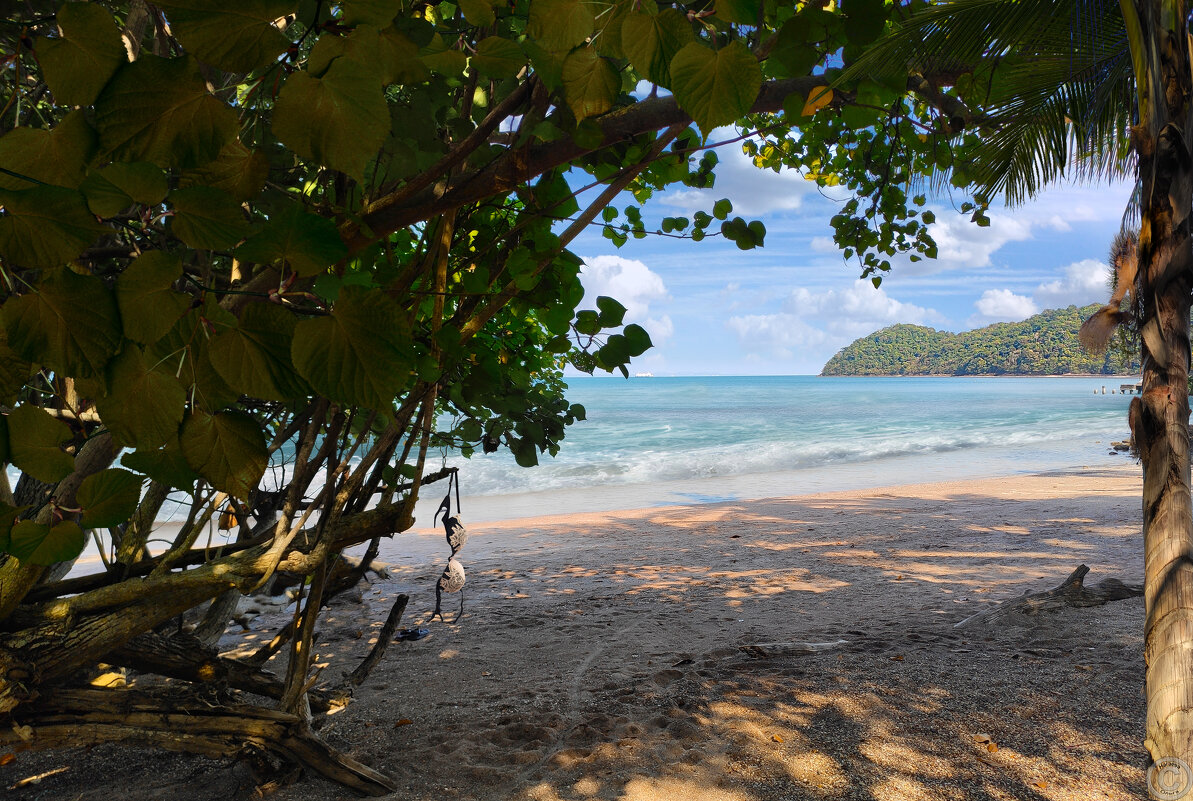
x: 653, y: 441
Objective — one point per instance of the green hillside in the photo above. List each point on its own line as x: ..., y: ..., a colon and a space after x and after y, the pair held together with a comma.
x: 1044, y: 344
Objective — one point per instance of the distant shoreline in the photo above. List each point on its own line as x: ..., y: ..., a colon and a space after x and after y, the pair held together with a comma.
x: 1107, y: 376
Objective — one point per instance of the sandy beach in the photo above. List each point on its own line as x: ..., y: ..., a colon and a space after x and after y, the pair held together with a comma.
x: 790, y: 648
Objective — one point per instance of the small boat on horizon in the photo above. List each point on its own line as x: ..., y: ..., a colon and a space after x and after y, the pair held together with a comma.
x: 643, y: 375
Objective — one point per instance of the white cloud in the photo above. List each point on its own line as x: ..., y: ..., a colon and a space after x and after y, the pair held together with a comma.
x: 659, y: 328
x: 825, y: 320
x: 1002, y: 305
x: 634, y: 285
x: 752, y: 191
x: 1086, y: 281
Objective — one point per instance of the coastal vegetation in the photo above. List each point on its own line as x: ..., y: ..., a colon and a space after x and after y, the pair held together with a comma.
x: 1043, y: 344
x: 262, y: 260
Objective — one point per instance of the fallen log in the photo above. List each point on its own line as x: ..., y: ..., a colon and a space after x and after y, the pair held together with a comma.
x: 1071, y: 592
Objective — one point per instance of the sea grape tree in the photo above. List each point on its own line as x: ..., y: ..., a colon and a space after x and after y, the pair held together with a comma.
x: 254, y: 255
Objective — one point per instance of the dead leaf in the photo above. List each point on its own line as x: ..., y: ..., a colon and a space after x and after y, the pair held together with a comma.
x: 1040, y: 785
x: 24, y: 732
x: 776, y: 738
x: 403, y: 722
x: 991, y: 747
x: 899, y: 577
x: 486, y: 673
x: 897, y: 658
x: 6, y: 759
x: 981, y: 738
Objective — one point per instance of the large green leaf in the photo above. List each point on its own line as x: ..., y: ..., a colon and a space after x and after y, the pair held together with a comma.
x: 108, y: 498
x: 45, y: 226
x: 166, y: 465
x: 58, y: 156
x: 184, y: 352
x: 149, y: 306
x: 369, y: 12
x: 8, y: 518
x: 207, y: 218
x: 560, y: 25
x: 650, y: 41
x: 358, y: 353
x: 238, y: 171
x: 498, y: 58
x: 159, y: 110
x: 254, y: 357
x: 39, y: 544
x: 715, y: 86
x: 14, y: 371
x: 478, y: 12
x: 80, y: 61
x: 70, y: 323
x: 117, y: 186
x: 340, y: 120
x: 307, y: 243
x: 399, y: 58
x: 442, y: 57
x: 590, y: 83
x: 143, y: 406
x: 228, y: 449
x: 236, y: 37
x: 35, y: 441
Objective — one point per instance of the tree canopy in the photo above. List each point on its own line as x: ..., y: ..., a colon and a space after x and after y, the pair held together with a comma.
x: 262, y: 259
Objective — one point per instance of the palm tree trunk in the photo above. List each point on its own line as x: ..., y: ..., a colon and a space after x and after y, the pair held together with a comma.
x: 1160, y: 50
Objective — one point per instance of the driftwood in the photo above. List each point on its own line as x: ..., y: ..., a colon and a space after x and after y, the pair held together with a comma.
x: 72, y: 718
x: 1071, y: 592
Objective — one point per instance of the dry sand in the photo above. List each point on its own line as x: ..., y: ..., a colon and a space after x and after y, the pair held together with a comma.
x: 662, y: 655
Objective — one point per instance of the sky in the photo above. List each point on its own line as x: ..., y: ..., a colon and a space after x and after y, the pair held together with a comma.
x: 787, y: 307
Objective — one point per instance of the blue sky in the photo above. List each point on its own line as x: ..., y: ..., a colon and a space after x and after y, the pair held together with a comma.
x: 788, y: 307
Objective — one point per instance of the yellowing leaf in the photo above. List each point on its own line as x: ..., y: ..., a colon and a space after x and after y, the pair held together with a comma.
x: 776, y: 738
x: 818, y: 98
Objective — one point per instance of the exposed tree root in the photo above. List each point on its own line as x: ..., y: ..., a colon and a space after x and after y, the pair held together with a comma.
x: 73, y: 718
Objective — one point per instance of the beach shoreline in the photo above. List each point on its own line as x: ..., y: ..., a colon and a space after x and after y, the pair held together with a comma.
x: 787, y: 648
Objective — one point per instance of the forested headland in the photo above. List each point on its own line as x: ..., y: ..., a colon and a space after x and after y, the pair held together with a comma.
x: 1043, y: 344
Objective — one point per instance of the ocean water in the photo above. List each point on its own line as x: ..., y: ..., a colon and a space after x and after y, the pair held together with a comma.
x: 654, y: 441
